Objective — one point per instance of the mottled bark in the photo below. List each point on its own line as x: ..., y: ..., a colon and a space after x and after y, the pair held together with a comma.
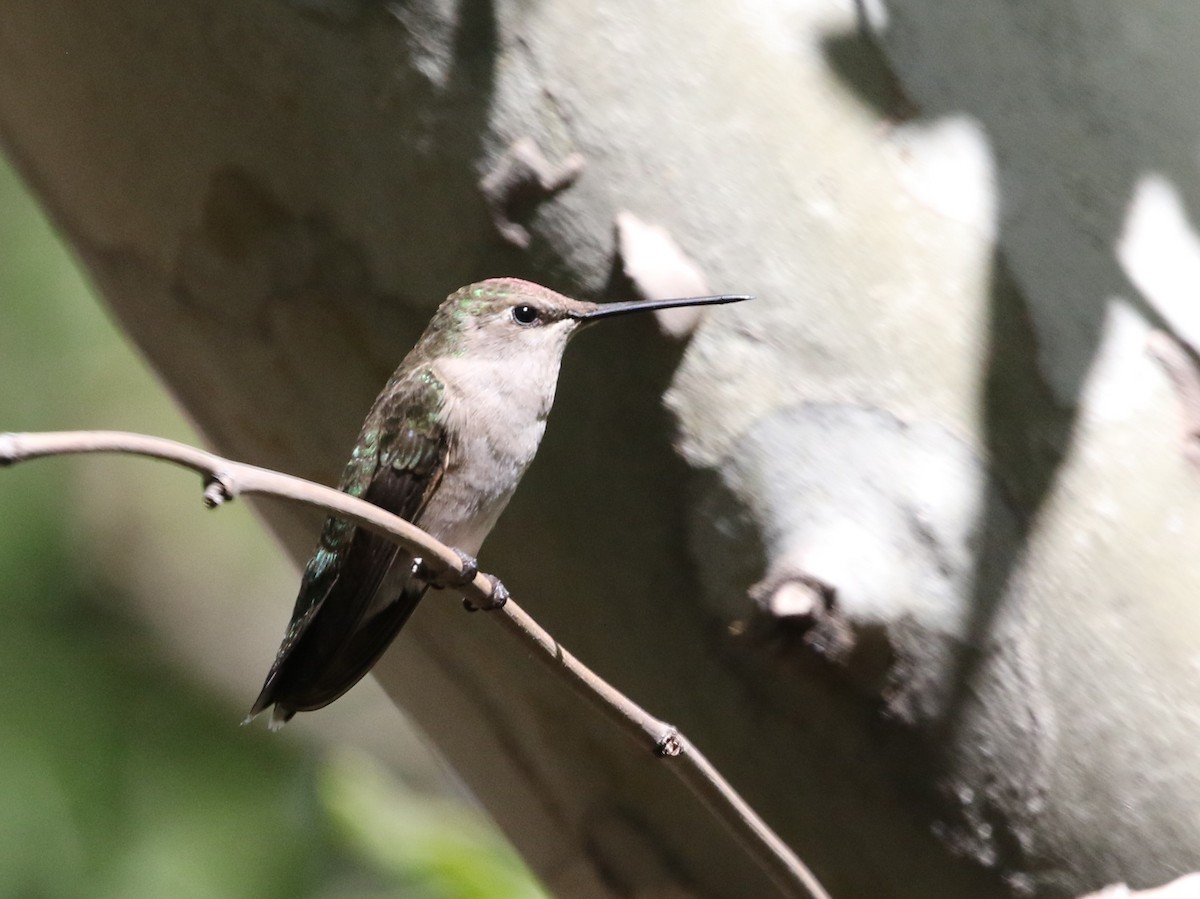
x: 937, y: 429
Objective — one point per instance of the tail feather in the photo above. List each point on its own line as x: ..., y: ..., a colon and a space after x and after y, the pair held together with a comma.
x: 280, y: 715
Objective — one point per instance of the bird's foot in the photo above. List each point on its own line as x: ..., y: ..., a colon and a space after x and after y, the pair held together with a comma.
x: 452, y: 579
x: 497, y: 597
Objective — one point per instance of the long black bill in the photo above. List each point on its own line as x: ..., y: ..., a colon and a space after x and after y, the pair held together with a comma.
x: 609, y: 309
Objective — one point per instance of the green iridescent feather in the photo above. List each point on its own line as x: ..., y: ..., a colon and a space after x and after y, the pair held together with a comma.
x: 395, y: 463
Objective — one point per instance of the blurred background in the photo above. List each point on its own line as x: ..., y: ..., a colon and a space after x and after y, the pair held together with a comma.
x: 123, y: 769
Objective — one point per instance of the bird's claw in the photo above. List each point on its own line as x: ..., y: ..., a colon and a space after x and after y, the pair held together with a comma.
x: 452, y: 579
x: 470, y: 568
x: 497, y: 597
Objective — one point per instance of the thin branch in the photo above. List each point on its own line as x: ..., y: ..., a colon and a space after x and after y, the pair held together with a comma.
x: 225, y: 479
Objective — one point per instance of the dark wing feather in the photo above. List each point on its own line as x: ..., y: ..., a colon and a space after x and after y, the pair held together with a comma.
x: 342, y: 623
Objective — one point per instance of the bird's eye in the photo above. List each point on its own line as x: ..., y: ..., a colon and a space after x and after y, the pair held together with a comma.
x: 525, y: 314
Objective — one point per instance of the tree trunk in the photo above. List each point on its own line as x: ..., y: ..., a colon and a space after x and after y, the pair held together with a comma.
x: 937, y: 420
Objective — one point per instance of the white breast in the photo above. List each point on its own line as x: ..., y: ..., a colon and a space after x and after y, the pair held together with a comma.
x: 497, y: 414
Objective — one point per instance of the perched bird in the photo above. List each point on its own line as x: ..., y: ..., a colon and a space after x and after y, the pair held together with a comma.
x: 444, y: 446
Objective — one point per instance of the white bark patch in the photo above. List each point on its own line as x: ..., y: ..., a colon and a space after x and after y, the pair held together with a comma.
x: 948, y: 166
x: 660, y: 270
x: 1123, y: 377
x: 885, y: 513
x: 1159, y: 250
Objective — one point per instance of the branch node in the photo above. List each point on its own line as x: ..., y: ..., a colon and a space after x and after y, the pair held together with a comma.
x: 669, y: 744
x: 218, y: 490
x: 518, y: 180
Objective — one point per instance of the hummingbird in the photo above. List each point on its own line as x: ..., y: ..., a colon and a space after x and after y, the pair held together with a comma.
x: 444, y: 446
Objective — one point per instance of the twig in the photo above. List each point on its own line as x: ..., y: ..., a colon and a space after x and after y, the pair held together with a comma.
x: 225, y: 479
